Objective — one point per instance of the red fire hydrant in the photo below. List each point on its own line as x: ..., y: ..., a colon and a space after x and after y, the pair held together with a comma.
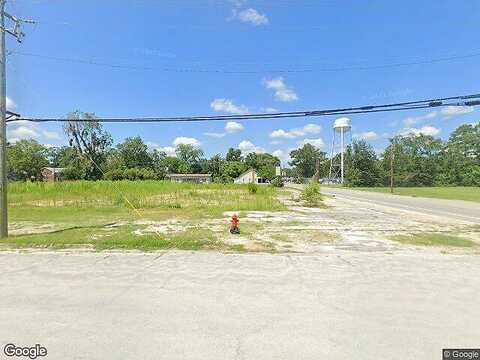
x: 234, y: 225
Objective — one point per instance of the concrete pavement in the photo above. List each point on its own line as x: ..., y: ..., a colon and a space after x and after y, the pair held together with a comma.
x: 453, y: 209
x: 206, y: 305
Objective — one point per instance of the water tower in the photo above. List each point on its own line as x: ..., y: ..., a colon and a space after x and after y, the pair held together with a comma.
x: 341, y: 127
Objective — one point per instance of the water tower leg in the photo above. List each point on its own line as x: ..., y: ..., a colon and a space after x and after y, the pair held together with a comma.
x: 342, y: 150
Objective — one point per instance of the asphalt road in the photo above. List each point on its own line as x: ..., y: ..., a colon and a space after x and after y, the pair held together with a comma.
x: 452, y: 209
x: 206, y: 305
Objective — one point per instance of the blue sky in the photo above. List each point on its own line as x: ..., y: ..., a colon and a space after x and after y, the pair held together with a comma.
x: 231, y: 49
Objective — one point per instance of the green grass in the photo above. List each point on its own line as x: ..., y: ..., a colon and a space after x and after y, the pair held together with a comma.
x: 433, y: 239
x: 120, y: 238
x: 82, y: 207
x: 450, y: 193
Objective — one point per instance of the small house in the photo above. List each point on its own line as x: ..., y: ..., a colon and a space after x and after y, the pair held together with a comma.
x: 52, y: 173
x: 191, y: 178
x: 250, y: 176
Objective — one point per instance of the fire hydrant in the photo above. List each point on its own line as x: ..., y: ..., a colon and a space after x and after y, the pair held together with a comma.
x: 234, y: 225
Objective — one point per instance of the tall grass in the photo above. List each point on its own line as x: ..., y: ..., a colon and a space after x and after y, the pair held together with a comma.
x: 141, y: 194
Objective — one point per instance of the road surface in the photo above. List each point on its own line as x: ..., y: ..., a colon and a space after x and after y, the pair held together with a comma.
x: 453, y: 209
x: 206, y: 305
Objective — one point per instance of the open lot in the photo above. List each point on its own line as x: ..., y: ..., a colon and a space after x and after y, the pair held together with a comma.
x: 155, y: 215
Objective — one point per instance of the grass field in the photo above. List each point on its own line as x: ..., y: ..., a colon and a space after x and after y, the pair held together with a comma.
x: 106, y: 214
x: 450, y: 193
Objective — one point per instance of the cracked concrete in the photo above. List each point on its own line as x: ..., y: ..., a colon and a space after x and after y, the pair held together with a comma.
x: 207, y: 305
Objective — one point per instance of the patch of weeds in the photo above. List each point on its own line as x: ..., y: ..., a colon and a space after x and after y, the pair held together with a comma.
x: 433, y: 239
x: 268, y: 245
x: 311, y: 195
x: 321, y: 236
x: 119, y: 238
x: 237, y: 248
x: 249, y: 229
x: 280, y: 237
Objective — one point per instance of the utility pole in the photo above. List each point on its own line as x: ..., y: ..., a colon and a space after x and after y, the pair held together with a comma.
x: 392, y: 160
x: 18, y: 34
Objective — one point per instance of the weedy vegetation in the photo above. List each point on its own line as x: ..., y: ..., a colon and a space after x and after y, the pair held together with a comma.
x: 433, y: 239
x: 81, y: 212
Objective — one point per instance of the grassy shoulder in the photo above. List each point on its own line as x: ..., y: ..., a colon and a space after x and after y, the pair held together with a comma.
x: 120, y: 238
x: 449, y: 193
x: 433, y: 239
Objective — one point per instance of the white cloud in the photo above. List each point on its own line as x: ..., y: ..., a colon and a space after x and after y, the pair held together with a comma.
x: 269, y: 110
x: 297, y: 132
x: 233, y: 127
x: 447, y: 112
x: 182, y: 140
x: 11, y: 105
x: 283, y: 155
x: 424, y: 130
x: 50, y: 135
x: 248, y: 147
x: 412, y: 120
x: 169, y: 150
x: 282, y: 91
x: 228, y: 106
x: 214, y: 135
x: 452, y: 111
x: 251, y: 16
x: 27, y: 130
x: 318, y: 143
x: 22, y: 132
x: 368, y: 136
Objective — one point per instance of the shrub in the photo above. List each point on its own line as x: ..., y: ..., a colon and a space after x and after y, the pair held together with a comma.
x: 252, y: 188
x: 277, y: 181
x: 131, y: 174
x: 311, y: 194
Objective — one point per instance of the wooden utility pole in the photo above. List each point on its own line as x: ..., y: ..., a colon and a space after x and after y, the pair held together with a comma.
x: 392, y: 163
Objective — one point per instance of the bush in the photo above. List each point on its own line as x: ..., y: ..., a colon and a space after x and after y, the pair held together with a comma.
x: 252, y: 188
x: 131, y: 174
x: 311, y: 194
x: 277, y: 181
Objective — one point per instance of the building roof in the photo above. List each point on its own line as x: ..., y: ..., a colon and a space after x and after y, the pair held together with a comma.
x: 246, y: 172
x: 189, y: 175
x: 53, y: 169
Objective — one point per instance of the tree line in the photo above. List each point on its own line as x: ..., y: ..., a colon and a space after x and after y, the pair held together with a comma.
x: 416, y: 160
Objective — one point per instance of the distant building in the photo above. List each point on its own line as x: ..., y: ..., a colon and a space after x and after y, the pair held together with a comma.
x: 52, y: 173
x: 192, y: 178
x: 250, y: 176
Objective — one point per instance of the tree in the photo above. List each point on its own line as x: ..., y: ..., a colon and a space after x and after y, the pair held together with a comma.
x: 25, y: 159
x: 215, y: 165
x: 460, y: 157
x: 234, y: 155
x: 133, y: 153
x: 361, y: 165
x: 264, y: 163
x: 304, y: 160
x: 89, y: 140
x: 416, y: 160
x: 233, y: 169
x: 190, y: 156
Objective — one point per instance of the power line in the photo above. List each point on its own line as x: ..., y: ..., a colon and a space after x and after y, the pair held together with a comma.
x: 462, y: 100
x: 309, y: 68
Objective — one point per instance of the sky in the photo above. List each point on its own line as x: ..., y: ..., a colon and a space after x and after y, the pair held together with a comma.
x: 123, y: 58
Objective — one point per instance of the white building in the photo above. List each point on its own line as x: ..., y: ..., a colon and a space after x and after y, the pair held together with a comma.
x: 250, y: 176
